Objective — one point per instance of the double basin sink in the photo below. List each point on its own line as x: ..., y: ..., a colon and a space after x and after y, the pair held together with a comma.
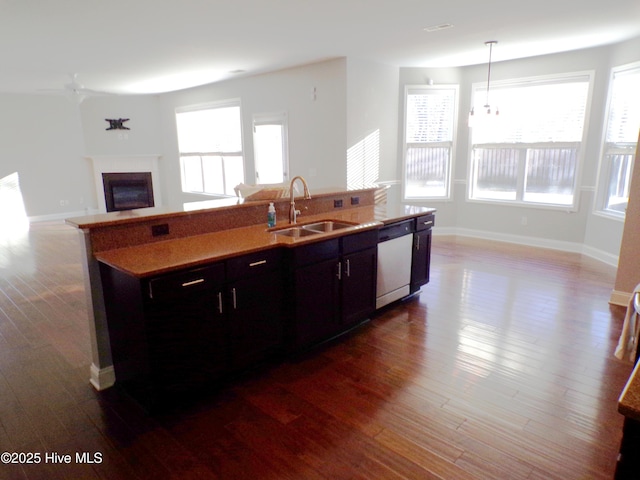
x: 313, y: 228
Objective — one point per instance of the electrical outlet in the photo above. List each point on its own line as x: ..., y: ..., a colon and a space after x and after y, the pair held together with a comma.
x: 355, y: 200
x: 162, y: 229
x: 523, y: 221
x: 337, y: 203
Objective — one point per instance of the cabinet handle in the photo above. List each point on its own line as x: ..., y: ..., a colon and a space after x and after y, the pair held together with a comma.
x: 339, y: 274
x: 255, y: 264
x: 348, y: 268
x: 430, y: 222
x: 233, y: 296
x: 417, y: 242
x: 220, y: 302
x: 193, y: 282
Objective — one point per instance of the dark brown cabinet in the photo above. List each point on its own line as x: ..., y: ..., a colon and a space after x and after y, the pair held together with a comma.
x: 333, y: 288
x: 167, y: 333
x: 421, y: 255
x: 186, y: 330
x: 628, y: 466
x: 316, y: 295
x: 255, y: 293
x: 359, y: 267
x: 189, y: 329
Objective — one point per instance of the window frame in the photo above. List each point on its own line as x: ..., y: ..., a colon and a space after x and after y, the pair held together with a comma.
x: 224, y: 155
x: 452, y: 144
x: 604, y: 164
x: 479, y: 89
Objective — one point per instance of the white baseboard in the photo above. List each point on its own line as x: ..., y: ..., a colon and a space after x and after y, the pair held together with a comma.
x: 561, y: 245
x: 102, y: 378
x: 604, y: 257
x: 61, y: 216
x: 620, y: 298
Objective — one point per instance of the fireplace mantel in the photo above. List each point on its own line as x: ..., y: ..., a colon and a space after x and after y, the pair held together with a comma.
x: 125, y: 164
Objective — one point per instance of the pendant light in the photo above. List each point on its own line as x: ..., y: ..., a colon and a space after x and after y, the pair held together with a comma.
x: 473, y: 117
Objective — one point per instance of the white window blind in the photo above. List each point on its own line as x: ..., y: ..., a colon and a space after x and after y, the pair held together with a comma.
x: 538, y: 113
x: 430, y: 113
x: 624, y: 116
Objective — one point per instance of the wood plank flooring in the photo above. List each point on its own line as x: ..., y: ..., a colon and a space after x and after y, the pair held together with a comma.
x: 502, y: 368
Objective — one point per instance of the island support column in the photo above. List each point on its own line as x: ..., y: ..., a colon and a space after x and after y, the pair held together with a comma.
x: 102, y: 374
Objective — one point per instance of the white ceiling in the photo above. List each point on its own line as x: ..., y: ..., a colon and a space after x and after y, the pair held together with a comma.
x: 150, y: 46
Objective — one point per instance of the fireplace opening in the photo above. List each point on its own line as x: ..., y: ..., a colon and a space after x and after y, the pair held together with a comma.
x: 126, y: 191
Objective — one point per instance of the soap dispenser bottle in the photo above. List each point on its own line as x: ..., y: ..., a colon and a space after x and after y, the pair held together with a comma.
x: 271, y: 216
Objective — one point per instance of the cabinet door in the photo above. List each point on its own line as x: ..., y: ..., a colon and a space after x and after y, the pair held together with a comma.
x: 421, y: 259
x: 316, y: 296
x: 186, y: 330
x: 255, y: 318
x: 358, y: 285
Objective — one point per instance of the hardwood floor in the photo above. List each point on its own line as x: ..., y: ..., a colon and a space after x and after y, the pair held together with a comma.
x: 502, y: 368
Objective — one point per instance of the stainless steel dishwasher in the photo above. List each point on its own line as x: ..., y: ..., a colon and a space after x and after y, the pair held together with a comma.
x: 395, y: 243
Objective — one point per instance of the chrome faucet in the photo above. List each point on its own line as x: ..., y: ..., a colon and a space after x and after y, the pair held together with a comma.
x: 293, y: 213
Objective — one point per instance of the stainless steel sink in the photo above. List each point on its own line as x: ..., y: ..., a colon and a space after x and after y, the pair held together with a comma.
x: 295, y: 232
x: 326, y: 226
x: 313, y: 228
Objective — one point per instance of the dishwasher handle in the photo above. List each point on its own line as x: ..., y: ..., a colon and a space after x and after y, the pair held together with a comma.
x: 395, y: 230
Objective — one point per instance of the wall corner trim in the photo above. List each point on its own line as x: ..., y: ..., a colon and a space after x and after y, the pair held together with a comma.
x: 620, y: 298
x: 102, y: 378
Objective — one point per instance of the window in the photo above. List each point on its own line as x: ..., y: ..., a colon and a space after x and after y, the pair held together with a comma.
x: 210, y: 144
x: 430, y: 113
x: 270, y: 148
x: 530, y: 152
x: 620, y: 140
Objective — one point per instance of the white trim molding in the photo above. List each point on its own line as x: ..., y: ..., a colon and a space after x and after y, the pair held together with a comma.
x: 620, y: 298
x: 102, y: 378
x: 573, y: 247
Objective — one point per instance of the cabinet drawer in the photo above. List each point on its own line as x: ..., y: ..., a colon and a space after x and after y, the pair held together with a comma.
x: 359, y: 241
x: 395, y: 230
x: 315, y: 252
x: 425, y: 222
x: 254, y: 263
x: 180, y: 284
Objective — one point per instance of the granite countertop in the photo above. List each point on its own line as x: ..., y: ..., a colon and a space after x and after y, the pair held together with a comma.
x: 166, y: 256
x: 629, y: 402
x: 158, y: 213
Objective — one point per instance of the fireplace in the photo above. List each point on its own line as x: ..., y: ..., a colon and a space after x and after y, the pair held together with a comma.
x: 126, y: 191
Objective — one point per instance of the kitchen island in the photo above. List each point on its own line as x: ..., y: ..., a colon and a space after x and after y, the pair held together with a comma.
x: 628, y: 466
x: 146, y: 268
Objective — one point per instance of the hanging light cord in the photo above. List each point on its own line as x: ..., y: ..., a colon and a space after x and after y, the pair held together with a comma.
x: 491, y: 43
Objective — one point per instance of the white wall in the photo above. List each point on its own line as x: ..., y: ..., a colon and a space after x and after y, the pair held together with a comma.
x: 143, y: 136
x: 46, y: 138
x: 317, y: 127
x: 40, y: 138
x: 578, y: 231
x: 372, y: 107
